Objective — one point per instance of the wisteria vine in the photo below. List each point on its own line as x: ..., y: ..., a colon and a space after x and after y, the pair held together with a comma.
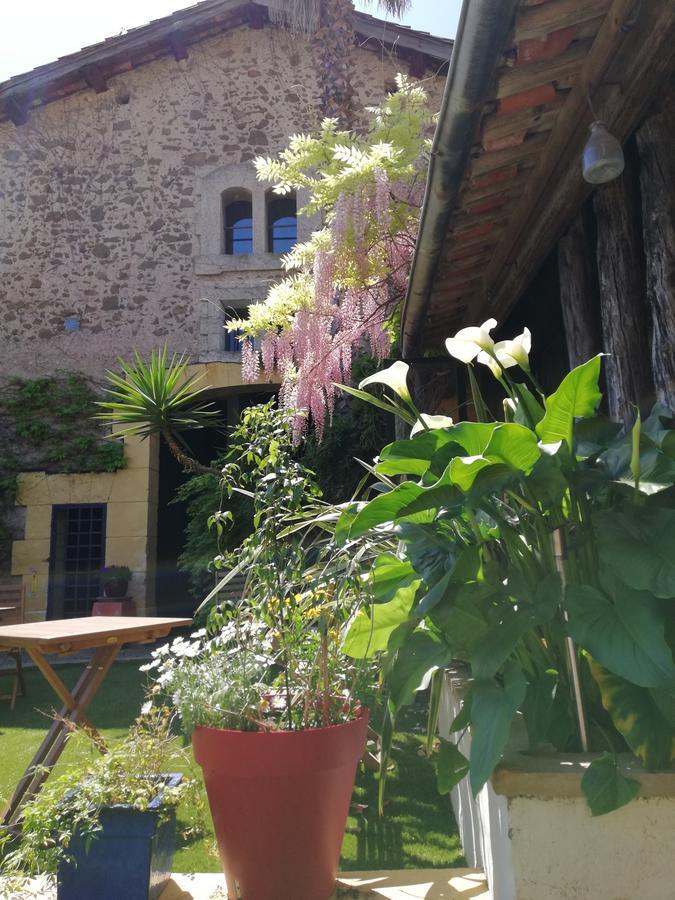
x: 344, y: 284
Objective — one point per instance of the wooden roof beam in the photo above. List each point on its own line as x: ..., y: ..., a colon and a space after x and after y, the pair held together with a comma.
x: 256, y: 16
x: 176, y: 41
x: 417, y: 64
x: 642, y: 56
x: 95, y: 77
x: 16, y: 109
x: 499, y: 159
x: 516, y: 80
x: 540, y: 21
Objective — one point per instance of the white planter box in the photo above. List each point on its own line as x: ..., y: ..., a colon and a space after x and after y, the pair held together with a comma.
x: 532, y: 832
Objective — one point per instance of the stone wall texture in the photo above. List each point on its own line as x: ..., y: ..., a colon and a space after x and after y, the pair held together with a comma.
x: 100, y: 196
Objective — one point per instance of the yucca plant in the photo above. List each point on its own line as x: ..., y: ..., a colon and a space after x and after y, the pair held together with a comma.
x: 159, y: 398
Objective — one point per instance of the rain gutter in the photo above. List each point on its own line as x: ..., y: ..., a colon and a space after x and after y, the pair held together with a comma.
x: 482, y: 33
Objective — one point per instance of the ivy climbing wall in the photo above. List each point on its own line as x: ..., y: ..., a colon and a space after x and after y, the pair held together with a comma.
x: 47, y: 425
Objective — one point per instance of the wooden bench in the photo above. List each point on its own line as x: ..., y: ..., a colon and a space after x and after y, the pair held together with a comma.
x: 12, y: 613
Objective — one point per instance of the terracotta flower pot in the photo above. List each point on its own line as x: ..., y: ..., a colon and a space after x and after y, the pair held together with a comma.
x: 279, y: 802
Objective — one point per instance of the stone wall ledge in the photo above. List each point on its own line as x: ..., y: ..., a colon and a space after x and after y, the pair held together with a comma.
x: 558, y: 775
x: 221, y: 263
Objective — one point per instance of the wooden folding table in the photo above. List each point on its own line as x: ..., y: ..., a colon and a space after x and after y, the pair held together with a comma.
x: 105, y: 635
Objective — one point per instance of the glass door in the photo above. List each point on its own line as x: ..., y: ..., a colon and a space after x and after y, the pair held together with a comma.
x: 76, y: 558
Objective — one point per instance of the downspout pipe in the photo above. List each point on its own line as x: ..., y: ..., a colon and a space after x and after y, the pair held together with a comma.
x: 482, y: 33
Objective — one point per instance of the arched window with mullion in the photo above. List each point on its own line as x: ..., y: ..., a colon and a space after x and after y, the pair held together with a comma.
x: 237, y: 222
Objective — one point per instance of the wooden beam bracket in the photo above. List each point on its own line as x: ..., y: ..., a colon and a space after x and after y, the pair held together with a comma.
x: 178, y: 46
x: 417, y: 64
x: 16, y: 108
x: 256, y: 16
x: 95, y: 78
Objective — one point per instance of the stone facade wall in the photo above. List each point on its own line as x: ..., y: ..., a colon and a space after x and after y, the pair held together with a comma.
x: 102, y: 203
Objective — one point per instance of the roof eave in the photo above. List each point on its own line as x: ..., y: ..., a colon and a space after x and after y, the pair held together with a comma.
x: 481, y: 35
x: 178, y: 30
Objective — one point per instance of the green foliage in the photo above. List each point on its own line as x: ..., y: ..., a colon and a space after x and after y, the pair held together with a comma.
x: 372, y: 628
x: 115, y: 573
x: 354, y: 433
x: 203, y: 495
x: 273, y: 659
x: 493, y: 519
x: 158, y: 397
x: 493, y: 707
x: 46, y: 424
x: 649, y: 734
x: 335, y: 164
x: 623, y: 629
x: 451, y: 766
x: 577, y: 397
x: 70, y: 806
x: 605, y: 788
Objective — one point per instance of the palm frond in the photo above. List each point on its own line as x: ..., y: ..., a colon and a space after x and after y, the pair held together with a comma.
x: 158, y: 397
x: 392, y: 7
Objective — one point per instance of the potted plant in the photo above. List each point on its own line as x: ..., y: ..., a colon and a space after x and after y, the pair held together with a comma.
x: 274, y: 707
x: 108, y: 830
x: 115, y: 581
x: 538, y: 552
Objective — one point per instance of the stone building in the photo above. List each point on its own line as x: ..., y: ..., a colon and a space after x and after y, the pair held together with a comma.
x: 131, y: 219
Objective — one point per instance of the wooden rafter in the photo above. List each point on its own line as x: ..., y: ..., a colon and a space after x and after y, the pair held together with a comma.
x: 16, y: 109
x: 176, y: 40
x: 556, y: 189
x: 95, y: 77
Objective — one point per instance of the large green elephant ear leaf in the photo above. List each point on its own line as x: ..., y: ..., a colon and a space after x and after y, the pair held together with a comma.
x: 451, y: 766
x: 624, y: 630
x: 510, y: 447
x: 637, y: 716
x: 384, y: 509
x: 605, y: 788
x: 389, y: 574
x: 371, y: 629
x: 492, y: 709
x: 413, y: 456
x: 577, y: 397
x: 640, y: 548
x: 416, y: 661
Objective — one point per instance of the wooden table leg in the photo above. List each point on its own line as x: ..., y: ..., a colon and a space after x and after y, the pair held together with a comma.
x: 72, y: 713
x: 62, y: 691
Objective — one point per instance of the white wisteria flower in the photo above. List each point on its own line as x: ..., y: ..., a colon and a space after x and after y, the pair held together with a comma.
x: 515, y: 352
x: 469, y: 342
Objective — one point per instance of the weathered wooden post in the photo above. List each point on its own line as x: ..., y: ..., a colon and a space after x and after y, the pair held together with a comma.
x: 655, y: 139
x: 579, y: 290
x: 623, y: 304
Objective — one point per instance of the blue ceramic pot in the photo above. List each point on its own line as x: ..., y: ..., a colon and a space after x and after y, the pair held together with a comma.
x: 130, y: 858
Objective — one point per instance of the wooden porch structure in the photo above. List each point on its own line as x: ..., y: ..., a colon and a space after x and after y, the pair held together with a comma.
x: 511, y: 230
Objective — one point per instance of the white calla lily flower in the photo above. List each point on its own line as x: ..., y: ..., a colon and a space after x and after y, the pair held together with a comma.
x: 469, y: 342
x: 515, y: 352
x: 427, y: 421
x: 489, y: 361
x: 395, y: 377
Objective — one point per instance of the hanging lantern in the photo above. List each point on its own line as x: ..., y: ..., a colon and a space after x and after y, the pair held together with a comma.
x: 602, y: 159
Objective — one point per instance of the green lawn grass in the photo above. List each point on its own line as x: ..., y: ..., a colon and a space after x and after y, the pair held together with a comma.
x: 417, y: 831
